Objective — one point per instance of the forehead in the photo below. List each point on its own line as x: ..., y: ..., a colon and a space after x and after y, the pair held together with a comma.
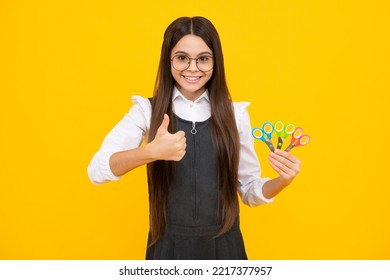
x: 192, y: 45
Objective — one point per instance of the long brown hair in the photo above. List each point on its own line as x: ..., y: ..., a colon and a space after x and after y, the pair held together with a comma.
x: 224, y: 130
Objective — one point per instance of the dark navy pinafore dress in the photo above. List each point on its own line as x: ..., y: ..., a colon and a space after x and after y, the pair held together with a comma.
x: 193, y: 214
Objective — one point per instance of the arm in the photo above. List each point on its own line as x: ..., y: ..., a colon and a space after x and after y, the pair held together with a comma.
x: 121, y: 152
x: 165, y: 146
x: 253, y: 189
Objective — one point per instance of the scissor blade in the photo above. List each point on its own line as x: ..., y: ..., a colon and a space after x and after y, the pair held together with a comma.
x: 270, y: 145
x: 289, y: 147
x: 280, y: 143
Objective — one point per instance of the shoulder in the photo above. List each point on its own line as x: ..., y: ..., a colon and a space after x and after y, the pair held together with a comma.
x: 243, y: 121
x: 141, y: 111
x: 241, y: 112
x: 240, y: 107
x: 141, y: 102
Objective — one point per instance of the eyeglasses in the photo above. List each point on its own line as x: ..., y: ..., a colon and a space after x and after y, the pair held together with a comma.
x: 182, y: 62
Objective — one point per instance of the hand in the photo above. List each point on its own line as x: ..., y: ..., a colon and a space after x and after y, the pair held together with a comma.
x: 169, y: 146
x: 285, y: 164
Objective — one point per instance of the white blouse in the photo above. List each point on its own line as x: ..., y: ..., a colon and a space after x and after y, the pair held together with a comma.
x: 130, y: 132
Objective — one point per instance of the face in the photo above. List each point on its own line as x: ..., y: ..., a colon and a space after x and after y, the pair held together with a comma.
x: 191, y: 81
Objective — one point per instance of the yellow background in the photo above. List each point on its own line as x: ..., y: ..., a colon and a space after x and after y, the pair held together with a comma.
x: 69, y: 68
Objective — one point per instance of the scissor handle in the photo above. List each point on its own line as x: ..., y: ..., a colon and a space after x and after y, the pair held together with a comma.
x: 288, y: 130
x: 279, y: 127
x: 303, y: 140
x: 268, y: 128
x: 261, y: 137
x: 296, y: 135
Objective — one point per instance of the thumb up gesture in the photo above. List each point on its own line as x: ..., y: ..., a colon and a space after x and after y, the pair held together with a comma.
x: 169, y: 146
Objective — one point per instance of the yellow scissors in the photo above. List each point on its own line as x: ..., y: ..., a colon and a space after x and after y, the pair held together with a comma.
x: 298, y: 139
x: 259, y: 134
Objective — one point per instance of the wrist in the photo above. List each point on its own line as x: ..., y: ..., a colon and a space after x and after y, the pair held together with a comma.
x: 283, y: 182
x: 272, y: 187
x: 151, y: 151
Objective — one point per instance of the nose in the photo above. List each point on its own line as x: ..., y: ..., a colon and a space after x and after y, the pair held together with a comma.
x: 193, y: 66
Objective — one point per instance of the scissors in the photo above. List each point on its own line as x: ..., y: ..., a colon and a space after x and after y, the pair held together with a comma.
x: 298, y: 139
x: 283, y: 131
x: 267, y: 129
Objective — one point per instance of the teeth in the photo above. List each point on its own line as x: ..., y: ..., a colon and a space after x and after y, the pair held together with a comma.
x: 192, y: 78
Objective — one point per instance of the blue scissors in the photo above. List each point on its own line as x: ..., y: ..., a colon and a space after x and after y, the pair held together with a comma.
x: 260, y: 133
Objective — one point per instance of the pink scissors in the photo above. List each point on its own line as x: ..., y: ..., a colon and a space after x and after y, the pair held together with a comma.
x: 298, y: 139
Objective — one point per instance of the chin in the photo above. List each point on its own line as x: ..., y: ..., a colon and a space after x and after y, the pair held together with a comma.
x: 192, y: 90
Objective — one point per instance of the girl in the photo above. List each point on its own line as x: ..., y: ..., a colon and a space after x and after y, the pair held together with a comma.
x: 199, y: 151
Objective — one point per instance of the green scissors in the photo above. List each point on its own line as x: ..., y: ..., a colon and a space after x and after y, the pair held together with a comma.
x: 283, y: 131
x: 267, y: 129
x: 298, y: 139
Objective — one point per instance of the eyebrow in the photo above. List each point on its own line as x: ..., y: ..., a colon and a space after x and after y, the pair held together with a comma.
x: 178, y: 52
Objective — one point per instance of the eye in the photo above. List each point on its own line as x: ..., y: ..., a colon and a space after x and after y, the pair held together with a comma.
x: 181, y: 57
x: 203, y: 58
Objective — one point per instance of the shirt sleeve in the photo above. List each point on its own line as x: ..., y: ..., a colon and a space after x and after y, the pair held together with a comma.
x: 127, y: 134
x: 250, y: 182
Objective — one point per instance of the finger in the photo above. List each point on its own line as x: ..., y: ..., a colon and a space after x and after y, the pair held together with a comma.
x: 179, y: 145
x: 181, y: 134
x: 285, y: 158
x: 283, y: 170
x: 183, y: 142
x: 164, y: 125
x: 277, y: 169
x: 287, y: 155
x: 281, y: 159
x: 182, y: 155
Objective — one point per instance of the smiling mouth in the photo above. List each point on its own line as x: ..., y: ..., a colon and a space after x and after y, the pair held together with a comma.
x: 192, y: 79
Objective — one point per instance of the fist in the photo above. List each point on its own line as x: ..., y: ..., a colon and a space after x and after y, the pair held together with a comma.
x: 285, y: 164
x: 169, y: 146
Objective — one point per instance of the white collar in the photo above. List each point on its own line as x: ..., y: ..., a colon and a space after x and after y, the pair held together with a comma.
x: 177, y: 93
